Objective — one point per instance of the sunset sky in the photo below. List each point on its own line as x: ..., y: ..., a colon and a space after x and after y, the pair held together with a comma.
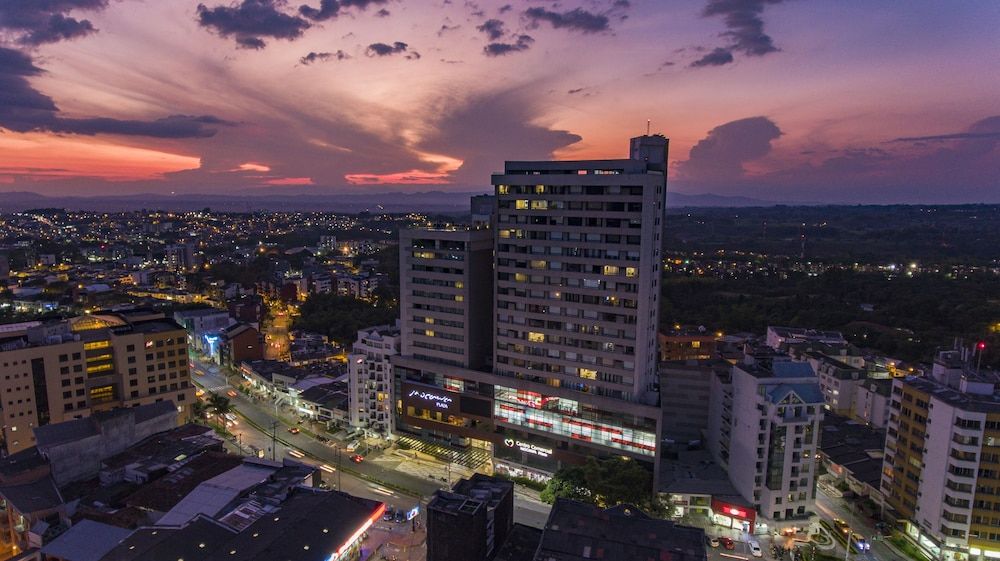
x: 789, y: 101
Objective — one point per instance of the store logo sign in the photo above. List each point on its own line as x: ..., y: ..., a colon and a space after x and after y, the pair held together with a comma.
x: 528, y: 447
x: 439, y: 401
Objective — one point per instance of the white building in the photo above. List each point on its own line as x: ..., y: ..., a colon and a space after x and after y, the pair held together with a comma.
x: 764, y: 429
x: 370, y: 399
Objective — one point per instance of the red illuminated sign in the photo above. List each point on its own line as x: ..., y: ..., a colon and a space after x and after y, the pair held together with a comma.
x: 734, y: 511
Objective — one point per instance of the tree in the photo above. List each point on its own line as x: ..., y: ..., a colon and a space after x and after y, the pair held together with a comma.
x: 220, y: 406
x: 198, y: 410
x: 618, y: 480
x: 567, y: 483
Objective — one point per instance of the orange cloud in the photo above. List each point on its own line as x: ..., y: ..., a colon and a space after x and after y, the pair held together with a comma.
x: 290, y: 181
x: 43, y: 156
x: 252, y: 166
x: 412, y: 177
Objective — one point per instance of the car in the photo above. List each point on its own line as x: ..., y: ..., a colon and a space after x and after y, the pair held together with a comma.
x: 357, y: 458
x: 728, y: 543
x: 294, y: 430
x: 400, y: 516
x: 859, y: 544
x: 322, y: 439
x: 842, y: 526
x: 711, y: 541
x: 755, y: 549
x: 389, y: 514
x: 231, y: 393
x: 300, y: 421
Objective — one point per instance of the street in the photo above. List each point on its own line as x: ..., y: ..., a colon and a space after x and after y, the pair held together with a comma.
x: 253, y: 428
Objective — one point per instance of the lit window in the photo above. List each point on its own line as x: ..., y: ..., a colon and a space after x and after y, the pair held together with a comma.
x: 520, y: 277
x: 538, y: 264
x: 610, y: 270
x: 428, y: 332
x: 521, y: 204
x: 536, y: 337
x: 695, y: 344
x: 588, y: 373
x: 459, y: 298
x: 503, y: 189
x: 459, y: 284
x: 539, y: 205
x: 630, y: 271
x: 539, y: 189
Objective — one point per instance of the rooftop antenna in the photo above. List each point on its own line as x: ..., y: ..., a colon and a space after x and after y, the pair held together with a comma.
x: 647, y: 127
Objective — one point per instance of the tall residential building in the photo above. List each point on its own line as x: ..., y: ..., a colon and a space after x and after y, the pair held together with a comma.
x: 577, y: 306
x: 69, y: 369
x: 941, y: 473
x: 370, y: 396
x: 764, y: 429
x: 181, y: 257
x: 564, y: 294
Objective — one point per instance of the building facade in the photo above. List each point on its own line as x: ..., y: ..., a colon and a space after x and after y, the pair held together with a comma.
x: 946, y: 501
x: 764, y: 430
x: 577, y: 282
x: 70, y: 369
x: 370, y: 379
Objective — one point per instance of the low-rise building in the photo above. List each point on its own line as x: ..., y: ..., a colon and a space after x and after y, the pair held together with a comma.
x: 471, y: 521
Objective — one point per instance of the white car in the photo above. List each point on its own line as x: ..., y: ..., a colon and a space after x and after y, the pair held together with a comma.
x: 755, y: 549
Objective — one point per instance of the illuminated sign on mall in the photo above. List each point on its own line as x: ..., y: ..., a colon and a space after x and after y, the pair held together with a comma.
x: 439, y: 401
x: 528, y: 447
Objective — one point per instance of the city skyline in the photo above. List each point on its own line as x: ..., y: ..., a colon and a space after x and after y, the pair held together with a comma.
x: 374, y: 96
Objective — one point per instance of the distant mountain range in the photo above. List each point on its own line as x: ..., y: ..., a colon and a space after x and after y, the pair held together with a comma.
x: 430, y: 201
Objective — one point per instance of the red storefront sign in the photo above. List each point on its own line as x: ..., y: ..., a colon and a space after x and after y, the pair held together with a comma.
x: 734, y: 511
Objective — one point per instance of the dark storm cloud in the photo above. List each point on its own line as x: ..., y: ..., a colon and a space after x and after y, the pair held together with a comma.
x: 576, y: 19
x: 744, y: 29
x: 398, y: 47
x: 250, y: 20
x: 329, y: 9
x: 323, y: 57
x: 722, y: 153
x: 493, y: 28
x: 36, y: 22
x: 25, y: 109
x: 943, y: 168
x: 503, y: 129
x: 717, y: 57
x: 521, y: 43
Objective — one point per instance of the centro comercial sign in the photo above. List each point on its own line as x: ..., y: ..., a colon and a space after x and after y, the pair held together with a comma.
x: 528, y: 447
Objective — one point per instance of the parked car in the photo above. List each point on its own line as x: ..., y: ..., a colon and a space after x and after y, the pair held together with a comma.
x: 389, y: 514
x: 711, y: 541
x: 322, y: 439
x: 357, y: 458
x: 400, y: 516
x: 294, y: 430
x: 728, y: 543
x: 755, y: 549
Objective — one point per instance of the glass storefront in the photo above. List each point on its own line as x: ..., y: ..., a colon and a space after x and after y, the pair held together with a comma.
x: 569, y: 418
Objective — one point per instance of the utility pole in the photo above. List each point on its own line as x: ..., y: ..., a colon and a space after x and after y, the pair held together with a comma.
x: 274, y: 438
x: 339, y: 470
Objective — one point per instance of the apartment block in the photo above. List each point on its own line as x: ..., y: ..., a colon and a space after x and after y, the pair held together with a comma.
x: 370, y: 379
x: 442, y: 395
x: 69, y: 369
x: 445, y: 296
x: 764, y: 429
x: 941, y: 473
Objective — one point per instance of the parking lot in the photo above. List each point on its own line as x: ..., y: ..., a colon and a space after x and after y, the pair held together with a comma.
x: 740, y: 551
